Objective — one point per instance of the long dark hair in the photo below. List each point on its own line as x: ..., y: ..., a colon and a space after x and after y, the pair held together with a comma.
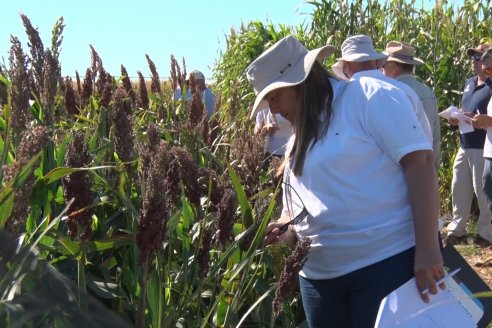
x: 313, y: 114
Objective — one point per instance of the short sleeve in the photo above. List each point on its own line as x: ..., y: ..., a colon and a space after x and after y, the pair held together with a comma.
x: 391, y: 121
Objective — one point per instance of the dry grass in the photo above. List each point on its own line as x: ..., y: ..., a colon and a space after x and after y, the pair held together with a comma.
x: 479, y: 258
x: 478, y: 254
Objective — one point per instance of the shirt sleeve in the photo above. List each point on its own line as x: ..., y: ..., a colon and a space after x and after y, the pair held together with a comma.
x: 260, y: 120
x: 392, y: 122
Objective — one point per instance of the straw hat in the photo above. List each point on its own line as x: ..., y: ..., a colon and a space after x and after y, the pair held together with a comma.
x: 359, y: 48
x: 286, y: 63
x: 401, y: 52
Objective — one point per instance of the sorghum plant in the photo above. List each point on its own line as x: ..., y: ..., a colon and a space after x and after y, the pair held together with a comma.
x: 155, y: 85
x: 287, y: 285
x: 77, y: 186
x: 87, y: 87
x: 142, y: 89
x: 123, y: 140
x: 37, y: 51
x: 32, y: 142
x: 69, y: 98
x: 127, y: 85
x: 226, y: 215
x: 48, y: 93
x: 19, y: 89
x: 154, y: 214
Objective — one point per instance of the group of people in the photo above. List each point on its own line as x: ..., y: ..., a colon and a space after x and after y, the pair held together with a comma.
x: 470, y: 176
x: 359, y: 172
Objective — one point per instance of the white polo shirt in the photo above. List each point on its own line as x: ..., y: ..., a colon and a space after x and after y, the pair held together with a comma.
x: 417, y: 105
x: 352, y: 183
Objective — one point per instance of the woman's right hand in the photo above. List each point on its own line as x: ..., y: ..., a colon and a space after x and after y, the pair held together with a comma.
x: 273, y: 234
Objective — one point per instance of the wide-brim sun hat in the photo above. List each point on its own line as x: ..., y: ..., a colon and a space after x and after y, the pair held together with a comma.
x: 286, y: 63
x: 401, y: 52
x: 359, y: 48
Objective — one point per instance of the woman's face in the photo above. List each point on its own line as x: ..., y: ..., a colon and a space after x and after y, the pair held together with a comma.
x: 284, y: 101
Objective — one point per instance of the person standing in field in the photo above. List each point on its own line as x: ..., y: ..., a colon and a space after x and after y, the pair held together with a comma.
x: 484, y: 121
x: 208, y: 96
x: 469, y: 163
x: 400, y: 65
x: 358, y: 179
x: 277, y: 131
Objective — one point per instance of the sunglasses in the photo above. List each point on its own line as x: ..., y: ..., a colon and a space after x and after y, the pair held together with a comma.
x: 476, y: 57
x: 297, y: 219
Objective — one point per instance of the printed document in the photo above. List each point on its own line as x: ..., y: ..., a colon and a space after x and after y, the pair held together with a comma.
x: 452, y: 307
x: 465, y: 122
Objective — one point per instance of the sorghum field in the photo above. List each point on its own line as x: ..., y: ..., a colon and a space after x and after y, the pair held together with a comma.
x: 121, y: 208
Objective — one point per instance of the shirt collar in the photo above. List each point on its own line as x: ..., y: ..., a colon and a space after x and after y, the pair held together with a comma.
x: 375, y: 73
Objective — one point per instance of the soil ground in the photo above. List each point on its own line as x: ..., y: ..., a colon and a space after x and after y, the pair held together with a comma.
x: 477, y: 253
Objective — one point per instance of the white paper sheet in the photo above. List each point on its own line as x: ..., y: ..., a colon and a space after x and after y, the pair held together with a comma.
x: 465, y: 122
x: 452, y: 307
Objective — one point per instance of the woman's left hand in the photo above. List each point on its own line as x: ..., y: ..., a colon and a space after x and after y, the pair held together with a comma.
x: 429, y: 269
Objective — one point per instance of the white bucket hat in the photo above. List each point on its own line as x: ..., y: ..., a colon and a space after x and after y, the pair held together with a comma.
x: 337, y: 70
x: 284, y: 64
x: 359, y: 48
x: 197, y: 75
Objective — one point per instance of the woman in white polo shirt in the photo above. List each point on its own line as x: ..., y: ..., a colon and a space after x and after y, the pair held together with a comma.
x: 354, y: 169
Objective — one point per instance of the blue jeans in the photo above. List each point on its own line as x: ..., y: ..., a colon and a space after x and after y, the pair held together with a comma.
x: 487, y: 181
x: 352, y: 300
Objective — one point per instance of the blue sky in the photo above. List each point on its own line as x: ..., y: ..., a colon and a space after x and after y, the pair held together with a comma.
x: 122, y: 32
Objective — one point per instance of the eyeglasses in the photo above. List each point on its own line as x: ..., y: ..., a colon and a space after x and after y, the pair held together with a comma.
x: 299, y: 217
x: 476, y: 57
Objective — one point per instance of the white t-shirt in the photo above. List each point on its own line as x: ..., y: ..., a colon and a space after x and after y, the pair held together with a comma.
x: 352, y: 184
x: 487, y: 148
x: 178, y: 94
x: 274, y: 143
x: 208, y: 99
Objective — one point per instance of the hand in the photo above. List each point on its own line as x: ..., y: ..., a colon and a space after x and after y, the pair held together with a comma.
x: 269, y: 129
x: 482, y: 121
x: 453, y: 121
x: 273, y: 234
x: 428, y: 269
